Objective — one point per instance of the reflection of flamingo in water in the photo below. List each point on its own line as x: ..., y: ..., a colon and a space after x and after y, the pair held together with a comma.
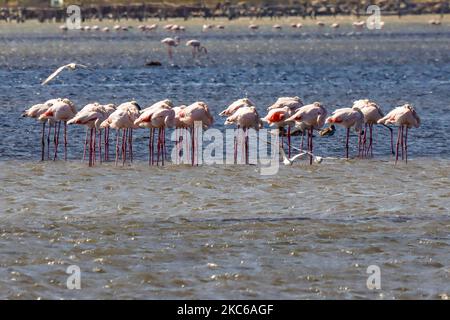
x: 158, y: 116
x: 348, y: 118
x: 170, y: 43
x: 123, y: 119
x: 372, y: 113
x: 244, y: 118
x: 197, y: 48
x: 35, y: 112
x: 312, y: 116
x: 198, y: 112
x: 404, y: 117
x: 91, y: 116
x: 62, y: 110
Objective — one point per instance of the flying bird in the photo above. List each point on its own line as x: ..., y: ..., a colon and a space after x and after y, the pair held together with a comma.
x: 70, y: 66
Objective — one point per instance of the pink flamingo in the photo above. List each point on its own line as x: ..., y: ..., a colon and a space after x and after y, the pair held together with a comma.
x: 35, y: 112
x: 62, y: 110
x: 232, y: 108
x: 246, y: 118
x: 348, y: 118
x: 196, y: 112
x: 372, y: 113
x: 292, y: 103
x: 312, y: 116
x: 170, y: 43
x: 405, y: 117
x: 123, y: 119
x: 197, y: 47
x: 158, y: 116
x: 91, y: 116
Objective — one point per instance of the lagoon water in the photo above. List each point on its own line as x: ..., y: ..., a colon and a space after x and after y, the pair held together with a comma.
x: 227, y: 231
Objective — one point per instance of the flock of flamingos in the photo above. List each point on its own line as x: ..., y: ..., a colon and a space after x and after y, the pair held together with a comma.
x: 288, y: 114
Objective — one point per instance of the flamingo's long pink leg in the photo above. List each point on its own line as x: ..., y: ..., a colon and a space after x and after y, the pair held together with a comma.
x: 117, y: 145
x: 246, y: 146
x: 235, y: 144
x: 124, y: 146
x: 401, y: 143
x: 406, y: 144
x: 346, y: 142
x: 85, y: 144
x: 289, y: 140
x: 398, y: 144
x: 49, y: 131
x: 57, y: 141
x: 100, y: 145
x: 91, y: 148
x: 130, y: 142
x: 311, y: 147
x: 371, y: 140
x: 163, y: 144
x: 365, y: 148
x: 43, y: 141
x: 65, y: 140
x: 193, y: 144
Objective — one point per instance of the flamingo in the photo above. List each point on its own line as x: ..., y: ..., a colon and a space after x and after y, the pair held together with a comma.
x: 123, y: 119
x: 405, y: 117
x: 245, y: 117
x: 91, y: 116
x: 62, y: 110
x: 196, y: 112
x: 320, y: 23
x: 196, y: 47
x: 359, y: 25
x: 71, y: 66
x: 372, y: 113
x: 170, y: 43
x: 158, y: 116
x: 277, y: 27
x: 292, y: 103
x: 232, y: 108
x: 313, y: 117
x: 253, y: 27
x: 35, y: 112
x: 348, y: 118
x: 334, y: 25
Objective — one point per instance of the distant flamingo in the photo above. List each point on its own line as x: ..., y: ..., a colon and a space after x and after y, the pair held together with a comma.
x: 170, y: 43
x: 348, y: 118
x: 313, y: 117
x: 372, y: 113
x: 158, y: 116
x: 62, y: 110
x: 35, y: 112
x: 197, y: 48
x: 404, y: 117
x: 190, y: 115
x: 244, y: 118
x: 123, y: 119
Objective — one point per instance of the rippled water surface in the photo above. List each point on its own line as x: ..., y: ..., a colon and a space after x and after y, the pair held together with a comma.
x: 227, y: 231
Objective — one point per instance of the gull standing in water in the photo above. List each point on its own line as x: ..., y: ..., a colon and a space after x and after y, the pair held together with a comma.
x: 70, y: 66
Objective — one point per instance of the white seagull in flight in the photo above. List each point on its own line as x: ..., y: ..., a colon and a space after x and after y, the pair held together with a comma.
x: 70, y: 66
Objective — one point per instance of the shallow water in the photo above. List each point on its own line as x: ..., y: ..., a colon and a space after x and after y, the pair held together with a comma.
x: 226, y: 231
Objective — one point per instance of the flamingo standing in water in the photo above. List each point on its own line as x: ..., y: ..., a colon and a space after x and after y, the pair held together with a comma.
x: 62, y: 110
x: 197, y: 47
x: 312, y: 116
x: 158, y: 116
x: 292, y: 103
x: 232, y: 108
x: 372, y: 113
x: 123, y: 119
x: 405, y: 117
x: 196, y: 112
x: 170, y: 43
x: 91, y: 116
x: 348, y: 118
x: 244, y: 118
x: 35, y: 112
